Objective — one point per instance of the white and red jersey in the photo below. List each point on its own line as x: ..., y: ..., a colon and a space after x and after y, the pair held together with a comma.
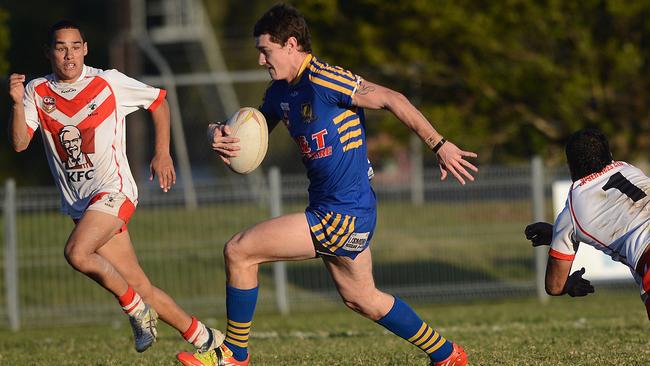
x: 609, y: 210
x: 82, y: 125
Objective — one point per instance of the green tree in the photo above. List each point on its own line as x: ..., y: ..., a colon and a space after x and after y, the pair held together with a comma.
x: 507, y: 78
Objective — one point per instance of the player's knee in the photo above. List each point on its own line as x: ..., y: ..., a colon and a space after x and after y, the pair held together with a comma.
x: 233, y: 251
x: 78, y: 259
x: 365, y: 303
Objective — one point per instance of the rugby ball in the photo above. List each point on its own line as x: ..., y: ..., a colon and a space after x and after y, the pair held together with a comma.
x: 249, y: 126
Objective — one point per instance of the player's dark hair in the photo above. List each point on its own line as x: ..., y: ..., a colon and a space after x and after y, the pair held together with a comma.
x: 587, y: 152
x: 281, y: 22
x: 63, y: 24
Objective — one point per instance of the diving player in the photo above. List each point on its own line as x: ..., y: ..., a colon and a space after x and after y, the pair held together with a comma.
x: 607, y: 207
x: 322, y: 108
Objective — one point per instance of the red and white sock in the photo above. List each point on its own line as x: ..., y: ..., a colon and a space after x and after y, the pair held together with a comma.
x: 197, y: 333
x: 131, y: 302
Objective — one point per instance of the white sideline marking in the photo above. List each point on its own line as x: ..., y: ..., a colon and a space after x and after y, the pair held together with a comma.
x: 579, y: 323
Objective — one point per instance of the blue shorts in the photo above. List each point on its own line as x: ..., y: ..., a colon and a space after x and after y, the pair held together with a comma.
x: 338, y: 234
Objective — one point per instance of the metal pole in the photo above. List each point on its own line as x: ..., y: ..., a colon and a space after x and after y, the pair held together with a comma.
x: 141, y: 37
x: 279, y: 268
x: 11, y: 262
x: 537, y: 187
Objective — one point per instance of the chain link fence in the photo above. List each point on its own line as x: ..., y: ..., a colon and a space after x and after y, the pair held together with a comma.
x: 459, y: 243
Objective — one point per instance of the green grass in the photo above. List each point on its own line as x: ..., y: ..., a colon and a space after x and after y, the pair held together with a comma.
x: 607, y: 328
x: 181, y: 251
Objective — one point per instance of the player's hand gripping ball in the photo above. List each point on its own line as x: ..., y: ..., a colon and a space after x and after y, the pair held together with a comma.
x: 249, y: 125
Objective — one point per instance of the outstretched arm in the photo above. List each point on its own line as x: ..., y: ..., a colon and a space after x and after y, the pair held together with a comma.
x: 450, y: 158
x: 558, y: 281
x: 161, y: 163
x: 18, y: 131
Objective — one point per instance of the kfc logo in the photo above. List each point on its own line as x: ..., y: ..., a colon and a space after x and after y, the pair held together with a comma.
x: 76, y: 159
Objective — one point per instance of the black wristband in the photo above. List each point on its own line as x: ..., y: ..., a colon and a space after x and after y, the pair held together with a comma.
x: 439, y: 145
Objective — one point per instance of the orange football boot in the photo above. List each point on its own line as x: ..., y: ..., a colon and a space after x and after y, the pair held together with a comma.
x: 458, y: 357
x: 221, y: 356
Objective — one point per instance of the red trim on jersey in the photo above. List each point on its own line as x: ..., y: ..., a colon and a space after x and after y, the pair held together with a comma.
x: 117, y: 164
x: 575, y: 219
x: 607, y: 168
x: 70, y: 107
x: 561, y: 256
x: 156, y: 103
x: 88, y: 125
x: 30, y: 132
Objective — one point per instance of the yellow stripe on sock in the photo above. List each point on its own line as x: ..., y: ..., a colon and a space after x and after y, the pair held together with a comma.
x: 424, y: 337
x: 243, y: 338
x: 419, y: 333
x: 237, y: 343
x: 437, y: 345
x: 238, y: 331
x: 433, y: 338
x: 239, y: 325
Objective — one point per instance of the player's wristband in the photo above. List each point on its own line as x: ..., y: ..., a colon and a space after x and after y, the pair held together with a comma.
x: 438, y: 145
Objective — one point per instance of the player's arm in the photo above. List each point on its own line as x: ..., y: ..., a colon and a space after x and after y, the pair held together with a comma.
x: 450, y: 158
x: 18, y: 130
x: 162, y: 165
x: 558, y: 281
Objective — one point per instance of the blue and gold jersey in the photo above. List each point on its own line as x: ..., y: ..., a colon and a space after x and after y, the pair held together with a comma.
x: 330, y: 133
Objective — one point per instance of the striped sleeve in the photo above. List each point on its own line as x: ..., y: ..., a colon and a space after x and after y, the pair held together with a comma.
x: 334, y: 84
x: 563, y: 244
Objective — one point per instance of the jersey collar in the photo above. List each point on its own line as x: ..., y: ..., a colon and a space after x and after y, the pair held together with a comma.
x: 302, y: 69
x: 84, y: 71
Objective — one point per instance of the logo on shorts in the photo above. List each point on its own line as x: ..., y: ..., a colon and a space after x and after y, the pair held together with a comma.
x: 356, y: 242
x: 110, y: 200
x: 49, y: 104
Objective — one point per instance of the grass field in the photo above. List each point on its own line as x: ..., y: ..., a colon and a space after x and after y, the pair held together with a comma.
x: 457, y: 243
x: 607, y: 328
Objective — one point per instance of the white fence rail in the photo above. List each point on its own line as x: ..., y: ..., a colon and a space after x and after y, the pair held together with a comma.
x: 460, y: 242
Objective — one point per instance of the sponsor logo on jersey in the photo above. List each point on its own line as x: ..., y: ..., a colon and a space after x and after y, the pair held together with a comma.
x: 285, y: 113
x: 307, y: 113
x: 91, y: 108
x: 49, y: 104
x: 76, y: 161
x: 68, y: 90
x: 356, y: 242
